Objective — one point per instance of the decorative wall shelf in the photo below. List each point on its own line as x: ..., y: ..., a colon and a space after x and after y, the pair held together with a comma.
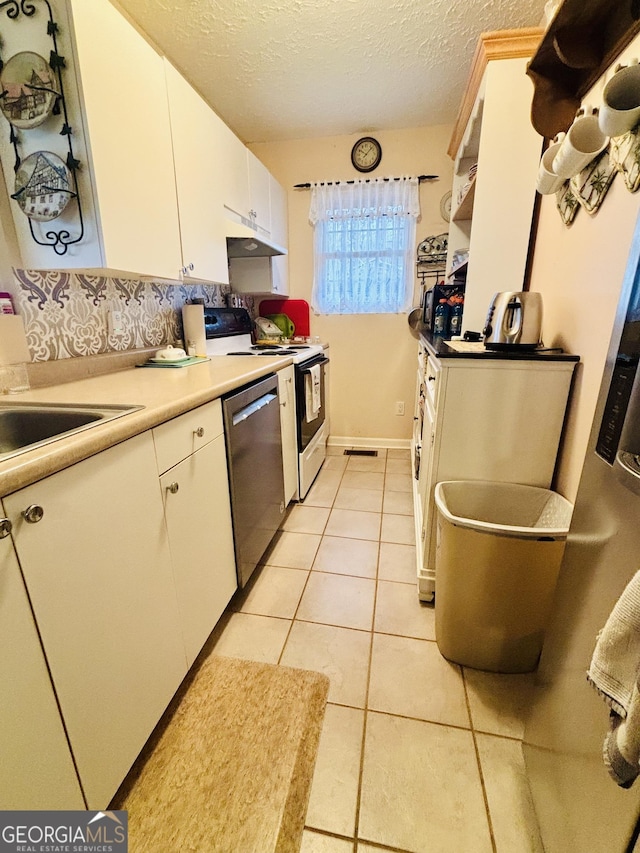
x: 582, y: 40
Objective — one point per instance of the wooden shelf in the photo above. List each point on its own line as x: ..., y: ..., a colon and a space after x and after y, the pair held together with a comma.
x: 465, y: 209
x: 581, y: 42
x: 459, y: 268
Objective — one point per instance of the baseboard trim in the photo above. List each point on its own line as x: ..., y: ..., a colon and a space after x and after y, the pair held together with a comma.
x: 349, y: 441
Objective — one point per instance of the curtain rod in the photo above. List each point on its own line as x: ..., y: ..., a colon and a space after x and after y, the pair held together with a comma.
x: 421, y: 178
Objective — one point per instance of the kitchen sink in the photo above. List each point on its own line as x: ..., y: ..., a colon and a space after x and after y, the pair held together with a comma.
x: 25, y: 426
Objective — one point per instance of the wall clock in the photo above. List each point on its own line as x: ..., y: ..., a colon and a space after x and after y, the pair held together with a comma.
x: 366, y: 154
x: 445, y: 206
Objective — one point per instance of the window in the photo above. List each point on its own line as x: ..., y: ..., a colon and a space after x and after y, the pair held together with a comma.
x: 364, y: 241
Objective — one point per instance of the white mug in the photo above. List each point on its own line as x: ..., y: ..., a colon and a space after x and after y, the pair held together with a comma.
x: 583, y: 142
x: 548, y: 182
x: 620, y: 111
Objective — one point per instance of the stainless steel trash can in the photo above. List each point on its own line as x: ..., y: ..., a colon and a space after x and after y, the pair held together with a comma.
x: 498, y: 552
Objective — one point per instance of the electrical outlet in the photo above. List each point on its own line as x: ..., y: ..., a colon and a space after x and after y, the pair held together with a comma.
x: 400, y: 407
x: 115, y: 322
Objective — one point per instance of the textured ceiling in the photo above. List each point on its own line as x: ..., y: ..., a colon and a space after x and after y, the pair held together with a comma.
x: 292, y: 69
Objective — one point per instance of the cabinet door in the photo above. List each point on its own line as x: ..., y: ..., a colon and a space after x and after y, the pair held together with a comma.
x: 279, y: 235
x: 286, y: 393
x: 36, y: 771
x: 198, y: 515
x: 279, y: 213
x: 129, y: 134
x: 198, y: 167
x: 425, y: 482
x: 236, y: 178
x: 259, y: 180
x: 98, y: 571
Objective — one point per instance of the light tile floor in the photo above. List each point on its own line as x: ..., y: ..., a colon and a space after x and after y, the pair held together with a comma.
x: 417, y: 755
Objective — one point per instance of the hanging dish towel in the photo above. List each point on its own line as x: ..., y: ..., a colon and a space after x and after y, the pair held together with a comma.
x: 614, y: 672
x: 312, y: 393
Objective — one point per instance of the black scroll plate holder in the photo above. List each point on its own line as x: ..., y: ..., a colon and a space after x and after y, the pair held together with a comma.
x: 59, y: 241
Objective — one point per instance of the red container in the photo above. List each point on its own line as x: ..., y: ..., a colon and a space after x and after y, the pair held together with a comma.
x: 297, y: 310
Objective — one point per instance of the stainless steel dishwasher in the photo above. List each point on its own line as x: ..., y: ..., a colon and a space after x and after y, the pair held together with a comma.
x: 254, y: 454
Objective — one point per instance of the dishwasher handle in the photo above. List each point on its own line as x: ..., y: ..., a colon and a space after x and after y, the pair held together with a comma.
x: 253, y: 407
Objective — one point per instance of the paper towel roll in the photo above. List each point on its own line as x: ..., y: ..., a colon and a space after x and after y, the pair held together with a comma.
x: 13, y: 340
x: 193, y: 324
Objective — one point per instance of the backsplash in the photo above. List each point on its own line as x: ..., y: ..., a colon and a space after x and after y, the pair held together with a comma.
x: 66, y: 313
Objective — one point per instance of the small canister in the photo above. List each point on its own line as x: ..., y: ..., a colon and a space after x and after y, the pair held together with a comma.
x: 6, y: 305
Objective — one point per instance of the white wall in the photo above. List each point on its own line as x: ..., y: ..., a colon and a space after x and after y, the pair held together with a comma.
x: 373, y: 358
x: 579, y: 271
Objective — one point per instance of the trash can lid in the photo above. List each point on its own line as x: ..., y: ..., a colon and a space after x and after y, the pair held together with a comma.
x: 504, y: 509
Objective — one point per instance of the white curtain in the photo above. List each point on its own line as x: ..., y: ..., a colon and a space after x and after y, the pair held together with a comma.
x: 364, y: 245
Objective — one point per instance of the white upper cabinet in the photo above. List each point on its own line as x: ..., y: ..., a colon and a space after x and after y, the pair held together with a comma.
x: 116, y: 106
x: 235, y: 185
x: 129, y: 135
x: 280, y: 236
x: 259, y: 184
x: 199, y: 169
x: 279, y: 213
x: 162, y: 181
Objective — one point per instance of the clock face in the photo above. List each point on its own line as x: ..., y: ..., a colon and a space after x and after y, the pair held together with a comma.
x: 445, y: 206
x: 366, y: 154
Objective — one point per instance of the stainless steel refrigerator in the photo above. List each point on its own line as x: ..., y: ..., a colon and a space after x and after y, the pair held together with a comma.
x: 579, y: 807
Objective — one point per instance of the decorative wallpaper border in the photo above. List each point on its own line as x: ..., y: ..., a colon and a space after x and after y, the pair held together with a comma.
x: 66, y: 313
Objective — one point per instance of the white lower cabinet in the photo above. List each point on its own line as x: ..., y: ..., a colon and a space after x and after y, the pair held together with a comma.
x: 484, y: 419
x: 97, y: 567
x: 198, y: 516
x: 287, y: 395
x: 36, y: 770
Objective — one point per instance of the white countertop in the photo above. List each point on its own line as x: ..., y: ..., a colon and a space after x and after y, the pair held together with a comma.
x: 163, y: 392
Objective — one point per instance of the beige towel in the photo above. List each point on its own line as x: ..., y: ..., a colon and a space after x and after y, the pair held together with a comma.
x: 614, y: 672
x: 313, y: 399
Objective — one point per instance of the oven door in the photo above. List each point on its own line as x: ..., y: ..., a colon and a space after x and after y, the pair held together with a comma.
x: 308, y: 420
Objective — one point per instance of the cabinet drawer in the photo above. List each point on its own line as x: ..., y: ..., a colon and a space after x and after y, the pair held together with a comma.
x: 432, y: 380
x: 178, y: 438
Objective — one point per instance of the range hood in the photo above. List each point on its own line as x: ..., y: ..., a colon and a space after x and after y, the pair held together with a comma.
x: 244, y: 242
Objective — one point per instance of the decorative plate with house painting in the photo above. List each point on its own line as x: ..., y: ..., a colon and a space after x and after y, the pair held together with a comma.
x: 591, y: 184
x: 28, y: 90
x: 43, y: 186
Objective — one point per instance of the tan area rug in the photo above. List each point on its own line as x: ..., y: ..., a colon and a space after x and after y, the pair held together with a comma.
x: 232, y: 770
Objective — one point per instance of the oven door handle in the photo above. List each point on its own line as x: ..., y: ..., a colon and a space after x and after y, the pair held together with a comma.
x: 315, y: 364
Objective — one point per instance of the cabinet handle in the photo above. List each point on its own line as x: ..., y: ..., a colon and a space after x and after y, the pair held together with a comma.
x: 431, y: 378
x: 5, y: 528
x: 33, y: 514
x: 199, y: 432
x: 173, y: 488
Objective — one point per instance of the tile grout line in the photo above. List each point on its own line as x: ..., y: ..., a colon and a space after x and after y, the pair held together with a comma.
x: 365, y: 718
x: 293, y: 619
x: 483, y: 786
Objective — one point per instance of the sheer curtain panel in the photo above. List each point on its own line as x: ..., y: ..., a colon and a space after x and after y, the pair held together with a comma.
x: 364, y: 245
